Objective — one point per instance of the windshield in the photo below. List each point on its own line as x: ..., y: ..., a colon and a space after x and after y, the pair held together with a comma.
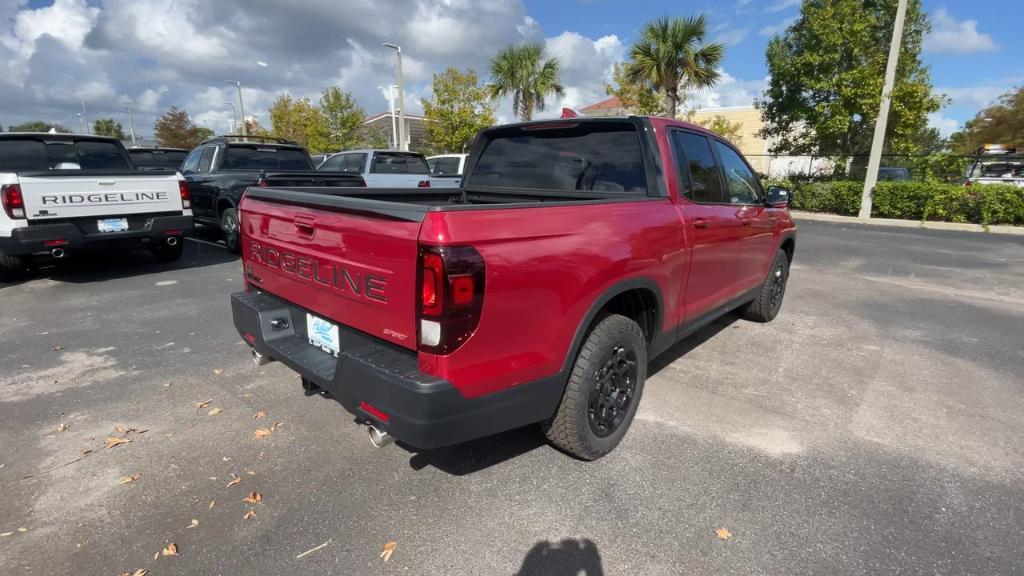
x: 266, y: 158
x: 169, y: 159
x: 29, y: 154
x: 604, y: 156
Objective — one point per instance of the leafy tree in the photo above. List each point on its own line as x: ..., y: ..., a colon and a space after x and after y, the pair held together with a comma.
x: 523, y: 73
x: 341, y: 127
x: 38, y: 126
x: 296, y: 119
x: 108, y: 127
x: 175, y: 129
x: 827, y: 71
x: 671, y: 56
x: 460, y: 107
x: 637, y: 98
x: 731, y: 131
x: 204, y: 133
x: 1002, y: 123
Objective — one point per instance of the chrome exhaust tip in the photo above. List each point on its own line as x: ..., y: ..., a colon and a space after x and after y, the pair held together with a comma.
x: 260, y: 359
x: 172, y: 240
x: 378, y: 438
x: 57, y: 252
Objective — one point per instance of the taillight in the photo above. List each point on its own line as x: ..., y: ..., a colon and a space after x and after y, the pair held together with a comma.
x: 423, y: 184
x: 186, y: 197
x: 262, y: 182
x: 12, y: 200
x: 451, y: 297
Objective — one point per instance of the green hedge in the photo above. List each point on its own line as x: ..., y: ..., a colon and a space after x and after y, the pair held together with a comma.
x: 978, y: 204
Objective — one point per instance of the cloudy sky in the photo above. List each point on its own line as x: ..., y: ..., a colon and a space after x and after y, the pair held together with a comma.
x: 158, y: 53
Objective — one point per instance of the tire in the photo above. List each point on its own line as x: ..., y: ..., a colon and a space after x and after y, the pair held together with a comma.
x: 229, y: 229
x: 603, y: 391
x: 167, y: 253
x: 766, y: 305
x: 11, y: 267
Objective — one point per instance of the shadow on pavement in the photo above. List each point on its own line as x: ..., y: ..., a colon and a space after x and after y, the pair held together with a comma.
x: 566, y: 558
x: 686, y: 345
x: 476, y: 455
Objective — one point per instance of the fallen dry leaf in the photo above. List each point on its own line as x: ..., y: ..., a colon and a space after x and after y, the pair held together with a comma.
x: 253, y: 498
x: 212, y: 502
x: 203, y: 404
x: 139, y: 572
x: 273, y: 427
x: 723, y: 533
x: 85, y: 451
x: 218, y: 371
x: 262, y: 432
x: 215, y: 411
x: 112, y: 441
x: 119, y: 429
x: 234, y: 480
x: 258, y: 415
x: 170, y: 550
x: 6, y: 533
x: 249, y: 514
x: 250, y: 472
x: 56, y: 348
x: 22, y: 529
x: 62, y: 427
x: 194, y: 523
x: 389, y: 549
x: 130, y: 479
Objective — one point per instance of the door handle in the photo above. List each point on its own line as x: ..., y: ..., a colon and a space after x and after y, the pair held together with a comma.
x: 747, y: 221
x: 700, y: 223
x: 303, y: 226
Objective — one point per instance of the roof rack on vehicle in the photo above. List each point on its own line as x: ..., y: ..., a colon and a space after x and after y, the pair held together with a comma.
x: 249, y: 138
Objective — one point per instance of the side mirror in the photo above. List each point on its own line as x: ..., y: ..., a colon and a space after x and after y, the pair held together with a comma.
x: 778, y: 197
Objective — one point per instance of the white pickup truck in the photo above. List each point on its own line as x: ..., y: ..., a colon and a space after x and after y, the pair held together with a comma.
x: 62, y: 193
x: 381, y: 168
x: 446, y: 170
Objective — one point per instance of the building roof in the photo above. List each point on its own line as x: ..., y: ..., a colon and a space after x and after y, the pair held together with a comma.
x: 606, y: 104
x: 387, y: 115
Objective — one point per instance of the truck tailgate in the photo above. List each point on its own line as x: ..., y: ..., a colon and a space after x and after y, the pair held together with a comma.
x: 354, y: 268
x: 81, y: 195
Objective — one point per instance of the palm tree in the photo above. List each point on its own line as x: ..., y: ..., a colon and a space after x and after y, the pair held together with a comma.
x: 523, y: 72
x: 671, y: 56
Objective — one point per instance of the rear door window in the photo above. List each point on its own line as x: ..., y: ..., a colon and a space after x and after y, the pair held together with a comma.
x: 446, y: 166
x: 256, y: 157
x: 585, y: 156
x: 349, y: 163
x: 697, y: 163
x: 206, y: 160
x: 399, y: 163
x: 191, y: 163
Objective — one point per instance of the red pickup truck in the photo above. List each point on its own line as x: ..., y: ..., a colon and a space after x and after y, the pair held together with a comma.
x: 573, y: 252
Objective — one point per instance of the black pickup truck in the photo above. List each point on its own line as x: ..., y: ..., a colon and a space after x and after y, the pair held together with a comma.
x: 220, y: 169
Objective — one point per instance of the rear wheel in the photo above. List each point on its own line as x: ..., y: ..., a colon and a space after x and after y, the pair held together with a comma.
x: 11, y: 267
x: 768, y: 302
x: 167, y: 253
x: 603, y: 391
x: 229, y: 228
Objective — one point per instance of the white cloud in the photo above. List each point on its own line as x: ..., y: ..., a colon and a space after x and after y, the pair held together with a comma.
x: 730, y: 91
x: 585, y: 67
x: 732, y: 36
x: 952, y: 36
x: 977, y: 97
x: 945, y: 125
x: 780, y: 5
x: 777, y: 28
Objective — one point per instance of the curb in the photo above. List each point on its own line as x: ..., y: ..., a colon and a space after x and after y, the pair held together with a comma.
x: 927, y: 225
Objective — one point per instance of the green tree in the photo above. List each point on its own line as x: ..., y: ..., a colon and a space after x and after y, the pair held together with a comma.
x: 522, y: 72
x: 175, y: 129
x: 38, y: 126
x: 638, y: 98
x: 204, y: 133
x: 459, y: 107
x: 342, y: 125
x: 731, y: 131
x: 1002, y: 123
x: 827, y: 71
x: 108, y: 127
x: 295, y: 119
x: 672, y: 57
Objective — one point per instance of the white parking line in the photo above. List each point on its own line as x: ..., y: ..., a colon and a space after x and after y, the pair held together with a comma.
x: 207, y: 242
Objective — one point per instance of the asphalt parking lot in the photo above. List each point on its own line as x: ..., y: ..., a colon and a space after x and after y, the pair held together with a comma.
x: 874, y: 427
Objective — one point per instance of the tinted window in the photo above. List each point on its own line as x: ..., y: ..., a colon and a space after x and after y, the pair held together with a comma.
x: 741, y: 182
x: 351, y: 163
x: 20, y: 154
x: 705, y: 183
x: 447, y: 166
x: 207, y: 159
x: 399, y: 163
x: 167, y: 159
x: 265, y: 158
x: 191, y: 163
x: 604, y: 156
x: 30, y: 154
x: 101, y: 155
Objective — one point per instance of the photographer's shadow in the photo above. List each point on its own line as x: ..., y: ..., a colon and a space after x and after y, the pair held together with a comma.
x: 566, y: 558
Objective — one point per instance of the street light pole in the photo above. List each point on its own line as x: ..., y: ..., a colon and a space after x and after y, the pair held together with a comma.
x: 241, y: 105
x: 883, y: 111
x: 394, y: 125
x: 234, y: 117
x: 131, y: 122
x: 402, y: 144
x: 85, y: 119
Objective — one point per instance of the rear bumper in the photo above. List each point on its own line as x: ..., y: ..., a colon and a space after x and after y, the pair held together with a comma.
x: 422, y: 411
x: 76, y: 235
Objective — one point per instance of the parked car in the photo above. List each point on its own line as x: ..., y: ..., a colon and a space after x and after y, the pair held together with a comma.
x: 446, y: 170
x: 318, y: 159
x: 70, y: 192
x: 997, y: 164
x: 220, y: 169
x: 157, y: 158
x: 382, y: 168
x: 576, y: 252
x: 893, y: 174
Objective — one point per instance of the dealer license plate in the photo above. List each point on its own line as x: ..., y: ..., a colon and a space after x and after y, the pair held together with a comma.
x: 112, y: 225
x: 322, y: 334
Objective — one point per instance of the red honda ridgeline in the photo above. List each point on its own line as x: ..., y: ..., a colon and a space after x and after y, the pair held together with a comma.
x: 573, y: 252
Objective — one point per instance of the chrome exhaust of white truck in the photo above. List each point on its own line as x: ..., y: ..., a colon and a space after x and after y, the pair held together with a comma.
x: 57, y: 252
x: 260, y: 359
x: 379, y: 438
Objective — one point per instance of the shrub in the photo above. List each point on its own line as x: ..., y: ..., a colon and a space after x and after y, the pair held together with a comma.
x: 831, y: 197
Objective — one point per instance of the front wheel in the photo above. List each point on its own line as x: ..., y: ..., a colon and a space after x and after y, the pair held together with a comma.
x: 603, y: 391
x: 768, y: 302
x: 229, y: 228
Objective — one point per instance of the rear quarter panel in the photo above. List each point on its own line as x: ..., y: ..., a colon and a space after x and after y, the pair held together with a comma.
x: 545, y: 268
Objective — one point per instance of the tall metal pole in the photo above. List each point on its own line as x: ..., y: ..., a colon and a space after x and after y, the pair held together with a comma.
x: 234, y: 117
x: 394, y: 125
x: 241, y: 106
x: 402, y: 144
x: 883, y: 112
x: 131, y: 122
x: 85, y: 119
